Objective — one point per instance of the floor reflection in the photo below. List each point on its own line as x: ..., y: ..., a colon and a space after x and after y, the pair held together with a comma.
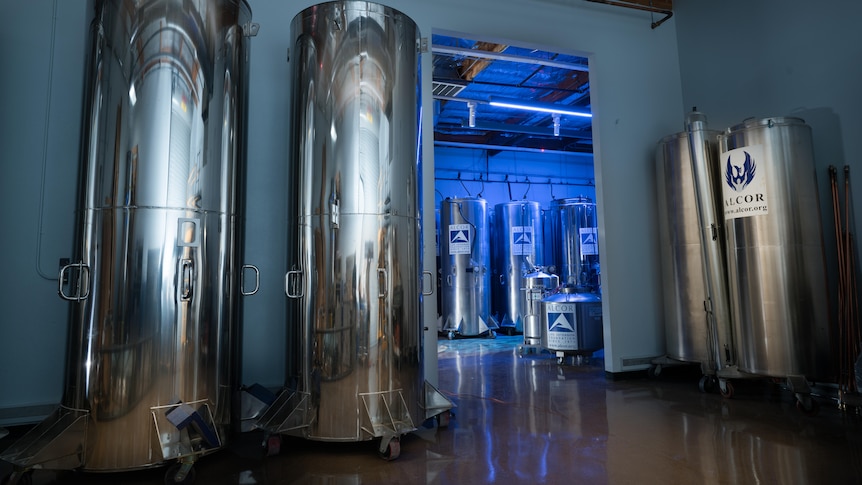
x: 522, y: 418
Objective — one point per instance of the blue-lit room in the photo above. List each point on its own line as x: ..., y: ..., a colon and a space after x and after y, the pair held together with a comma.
x: 352, y: 242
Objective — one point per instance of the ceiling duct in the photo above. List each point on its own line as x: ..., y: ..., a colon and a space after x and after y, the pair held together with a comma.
x: 447, y: 90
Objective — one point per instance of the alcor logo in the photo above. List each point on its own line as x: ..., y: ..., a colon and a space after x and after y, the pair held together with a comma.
x: 739, y: 176
x: 458, y: 237
x: 746, y: 172
x: 523, y: 238
x: 559, y: 323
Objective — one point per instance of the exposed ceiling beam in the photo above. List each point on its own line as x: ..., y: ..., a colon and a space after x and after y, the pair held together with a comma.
x: 474, y: 66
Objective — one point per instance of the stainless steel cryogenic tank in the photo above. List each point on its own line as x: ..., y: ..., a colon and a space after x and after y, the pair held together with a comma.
x: 465, y: 273
x: 694, y: 282
x: 354, y: 287
x: 537, y: 285
x: 776, y: 267
x: 152, y: 352
x: 572, y: 322
x: 574, y: 242
x: 517, y: 250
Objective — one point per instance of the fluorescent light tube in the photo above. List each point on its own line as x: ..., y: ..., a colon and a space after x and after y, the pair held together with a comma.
x: 536, y: 106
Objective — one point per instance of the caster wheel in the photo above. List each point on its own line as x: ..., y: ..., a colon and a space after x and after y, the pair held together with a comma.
x: 654, y: 371
x: 492, y: 334
x: 393, y: 450
x: 272, y: 445
x: 811, y: 410
x: 176, y: 475
x: 706, y: 384
x: 726, y: 390
x: 443, y: 419
x: 450, y: 335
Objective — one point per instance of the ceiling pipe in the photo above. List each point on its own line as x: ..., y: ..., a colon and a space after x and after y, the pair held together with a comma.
x: 587, y: 182
x: 471, y: 105
x: 637, y: 6
x: 479, y: 54
x: 503, y: 148
x: 526, y: 130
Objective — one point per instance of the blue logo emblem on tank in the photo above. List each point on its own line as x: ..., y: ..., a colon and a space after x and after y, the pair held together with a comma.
x: 559, y: 323
x: 523, y: 238
x: 458, y: 237
x: 739, y: 176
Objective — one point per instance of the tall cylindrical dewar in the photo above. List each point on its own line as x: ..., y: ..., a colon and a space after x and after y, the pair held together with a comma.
x: 354, y: 275
x: 465, y: 267
x: 152, y: 356
x: 776, y: 268
x: 691, y: 224
x: 518, y: 250
x: 574, y: 242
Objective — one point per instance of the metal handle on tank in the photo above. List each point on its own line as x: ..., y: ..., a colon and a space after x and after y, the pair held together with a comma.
x: 256, y: 279
x: 430, y: 276
x: 293, y: 276
x: 83, y: 274
x: 381, y: 272
x: 187, y: 280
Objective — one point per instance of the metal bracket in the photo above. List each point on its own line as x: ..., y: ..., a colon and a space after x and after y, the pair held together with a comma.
x: 250, y: 29
x: 423, y: 45
x: 334, y: 214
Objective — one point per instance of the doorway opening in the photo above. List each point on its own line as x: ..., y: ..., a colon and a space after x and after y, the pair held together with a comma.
x: 511, y: 124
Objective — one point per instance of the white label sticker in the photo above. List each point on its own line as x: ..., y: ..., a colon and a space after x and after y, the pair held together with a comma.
x: 589, y: 241
x: 460, y: 236
x: 744, y: 182
x: 562, y: 319
x: 522, y: 240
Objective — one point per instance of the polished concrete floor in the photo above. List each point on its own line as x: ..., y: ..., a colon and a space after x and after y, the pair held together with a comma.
x: 522, y: 418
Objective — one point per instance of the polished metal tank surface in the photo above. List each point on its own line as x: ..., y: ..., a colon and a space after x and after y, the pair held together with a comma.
x: 574, y: 242
x: 537, y: 285
x: 571, y: 321
x: 155, y: 278
x: 354, y: 283
x: 465, y: 267
x: 776, y: 265
x: 518, y: 249
x: 694, y: 281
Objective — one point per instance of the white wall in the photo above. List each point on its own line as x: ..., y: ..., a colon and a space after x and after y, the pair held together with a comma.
x: 636, y: 97
x: 41, y: 89
x: 741, y: 59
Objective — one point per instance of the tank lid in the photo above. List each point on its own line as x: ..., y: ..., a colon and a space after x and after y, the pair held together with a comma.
x: 768, y: 122
x: 517, y: 203
x: 539, y: 274
x: 565, y: 296
x: 581, y: 199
